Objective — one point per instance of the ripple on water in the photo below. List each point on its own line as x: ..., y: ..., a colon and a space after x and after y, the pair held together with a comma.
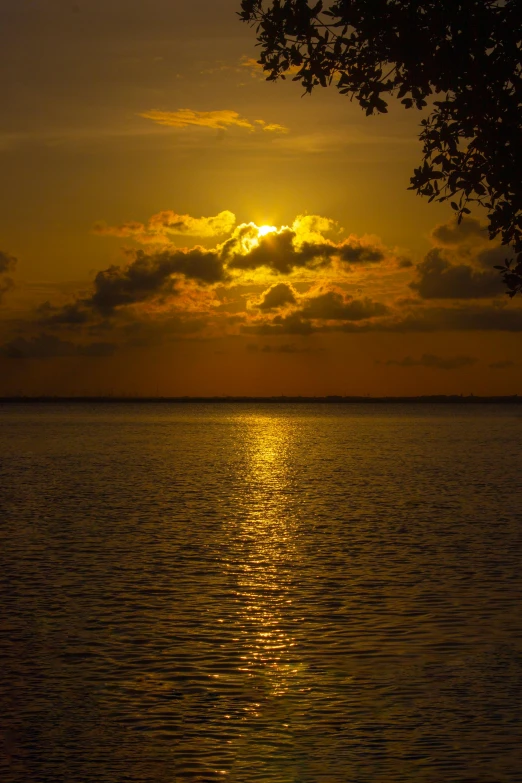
x: 260, y: 593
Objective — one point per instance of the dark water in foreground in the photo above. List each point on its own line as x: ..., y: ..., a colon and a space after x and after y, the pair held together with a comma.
x: 261, y: 593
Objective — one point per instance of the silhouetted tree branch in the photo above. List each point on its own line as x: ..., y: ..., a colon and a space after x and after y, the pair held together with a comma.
x: 464, y: 53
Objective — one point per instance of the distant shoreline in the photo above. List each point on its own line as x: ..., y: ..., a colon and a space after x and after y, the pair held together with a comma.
x: 330, y: 399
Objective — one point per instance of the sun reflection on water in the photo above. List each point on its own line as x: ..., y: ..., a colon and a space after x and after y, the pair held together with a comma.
x: 268, y: 542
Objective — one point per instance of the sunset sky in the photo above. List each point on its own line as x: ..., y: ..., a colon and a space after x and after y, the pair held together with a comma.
x: 173, y: 224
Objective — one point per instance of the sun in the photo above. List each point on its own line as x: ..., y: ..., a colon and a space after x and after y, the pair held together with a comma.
x: 262, y: 231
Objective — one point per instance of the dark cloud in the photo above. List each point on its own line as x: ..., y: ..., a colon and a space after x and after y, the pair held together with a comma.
x: 277, y: 296
x: 502, y: 365
x: 156, y: 275
x: 453, y: 233
x: 485, y: 255
x: 285, y: 348
x: 325, y: 306
x: 293, y: 324
x: 203, y: 266
x: 355, y: 253
x: 419, y: 319
x: 149, y: 276
x: 116, y: 286
x: 404, y: 263
x: 231, y: 247
x: 334, y: 306
x: 439, y: 279
x: 448, y: 319
x: 7, y: 264
x: 70, y: 314
x: 132, y: 329
x: 436, y: 362
x: 284, y: 251
x: 289, y: 324
x: 278, y: 252
x: 493, y: 256
x: 47, y: 346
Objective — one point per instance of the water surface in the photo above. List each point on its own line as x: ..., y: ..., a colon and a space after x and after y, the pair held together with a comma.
x: 273, y: 593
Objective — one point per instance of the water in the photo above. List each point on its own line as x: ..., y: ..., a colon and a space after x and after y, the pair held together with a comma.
x: 269, y: 593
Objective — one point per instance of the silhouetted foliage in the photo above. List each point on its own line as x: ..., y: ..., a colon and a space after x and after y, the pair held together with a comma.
x: 459, y: 58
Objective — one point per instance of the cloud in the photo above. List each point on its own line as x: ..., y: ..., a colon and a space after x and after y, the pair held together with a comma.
x: 141, y: 280
x: 356, y: 253
x: 150, y: 276
x: 285, y: 348
x: 455, y: 319
x: 493, y: 256
x: 469, y: 240
x: 274, y: 127
x: 277, y: 296
x: 404, y: 263
x: 185, y: 225
x: 7, y: 264
x: 167, y: 292
x: 316, y: 312
x: 435, y: 362
x: 271, y: 127
x: 249, y: 247
x: 502, y: 365
x: 252, y: 64
x: 288, y: 324
x: 161, y: 227
x: 72, y: 314
x: 278, y: 252
x: 257, y: 71
x: 453, y: 233
x: 437, y: 278
x: 333, y: 305
x: 47, y: 346
x: 299, y: 246
x: 417, y: 320
x: 216, y: 120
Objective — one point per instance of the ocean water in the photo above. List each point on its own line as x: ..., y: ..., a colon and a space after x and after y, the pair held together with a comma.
x: 249, y: 592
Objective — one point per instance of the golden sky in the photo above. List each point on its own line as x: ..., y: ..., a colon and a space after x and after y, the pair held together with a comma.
x: 172, y: 223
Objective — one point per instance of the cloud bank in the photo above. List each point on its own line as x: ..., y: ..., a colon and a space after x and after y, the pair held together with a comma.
x: 294, y: 280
